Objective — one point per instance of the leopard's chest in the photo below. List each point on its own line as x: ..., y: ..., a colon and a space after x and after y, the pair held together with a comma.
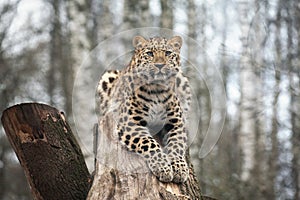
x: 157, y: 112
x: 157, y: 108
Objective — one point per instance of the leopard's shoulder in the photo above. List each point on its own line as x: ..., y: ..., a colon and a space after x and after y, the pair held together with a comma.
x: 183, y: 92
x: 105, y: 89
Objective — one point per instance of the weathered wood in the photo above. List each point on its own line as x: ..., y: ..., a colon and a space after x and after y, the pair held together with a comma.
x: 47, y: 150
x: 121, y: 174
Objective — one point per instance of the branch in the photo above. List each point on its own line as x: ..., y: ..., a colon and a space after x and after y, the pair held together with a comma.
x: 47, y: 150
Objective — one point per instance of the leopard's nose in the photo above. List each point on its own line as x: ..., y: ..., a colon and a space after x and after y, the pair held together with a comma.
x: 159, y: 66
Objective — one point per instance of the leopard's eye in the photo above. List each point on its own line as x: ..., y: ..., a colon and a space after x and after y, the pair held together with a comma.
x: 150, y: 53
x: 167, y: 53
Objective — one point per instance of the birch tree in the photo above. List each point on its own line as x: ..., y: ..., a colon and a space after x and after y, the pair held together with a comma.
x: 78, y: 13
x: 273, y: 162
x: 79, y: 40
x: 257, y: 35
x: 166, y: 18
x: 294, y: 78
x: 136, y: 14
x: 55, y: 51
x: 247, y: 110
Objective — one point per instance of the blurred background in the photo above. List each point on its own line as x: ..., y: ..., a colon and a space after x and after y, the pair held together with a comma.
x: 254, y: 44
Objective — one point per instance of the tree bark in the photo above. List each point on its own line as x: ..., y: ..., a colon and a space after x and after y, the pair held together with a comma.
x: 248, y: 97
x: 121, y: 174
x: 166, y: 18
x: 55, y: 168
x: 47, y: 150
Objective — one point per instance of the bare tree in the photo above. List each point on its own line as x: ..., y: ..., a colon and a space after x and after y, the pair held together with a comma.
x: 248, y: 79
x: 256, y: 40
x: 80, y: 44
x: 273, y: 163
x: 7, y: 14
x: 12, y: 179
x: 166, y: 18
x: 55, y: 65
x: 294, y: 74
x: 136, y: 14
x: 78, y: 20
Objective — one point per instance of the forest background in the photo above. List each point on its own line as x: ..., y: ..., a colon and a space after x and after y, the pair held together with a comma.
x: 251, y: 47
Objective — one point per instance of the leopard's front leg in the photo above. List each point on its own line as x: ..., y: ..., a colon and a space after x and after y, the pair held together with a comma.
x: 176, y: 142
x: 134, y: 134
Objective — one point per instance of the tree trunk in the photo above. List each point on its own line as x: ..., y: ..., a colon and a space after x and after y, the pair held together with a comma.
x: 47, y: 150
x: 166, y: 18
x: 273, y: 167
x: 55, y: 52
x: 121, y: 174
x: 248, y: 96
x: 55, y: 168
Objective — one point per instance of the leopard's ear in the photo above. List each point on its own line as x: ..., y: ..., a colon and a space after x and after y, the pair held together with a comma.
x: 138, y: 42
x: 175, y: 42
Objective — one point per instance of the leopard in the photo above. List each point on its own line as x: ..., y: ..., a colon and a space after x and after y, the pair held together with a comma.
x: 150, y: 99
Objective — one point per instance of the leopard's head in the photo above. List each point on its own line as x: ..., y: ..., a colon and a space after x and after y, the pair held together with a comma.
x: 156, y: 60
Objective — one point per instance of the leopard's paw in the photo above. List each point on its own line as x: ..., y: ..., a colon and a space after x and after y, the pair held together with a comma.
x: 161, y: 168
x: 180, y: 171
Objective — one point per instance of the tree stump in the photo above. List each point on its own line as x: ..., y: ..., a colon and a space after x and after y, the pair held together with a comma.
x: 55, y: 169
x: 121, y: 174
x: 48, y: 152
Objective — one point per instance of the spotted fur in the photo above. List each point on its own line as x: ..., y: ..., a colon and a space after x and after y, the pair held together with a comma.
x: 150, y: 99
